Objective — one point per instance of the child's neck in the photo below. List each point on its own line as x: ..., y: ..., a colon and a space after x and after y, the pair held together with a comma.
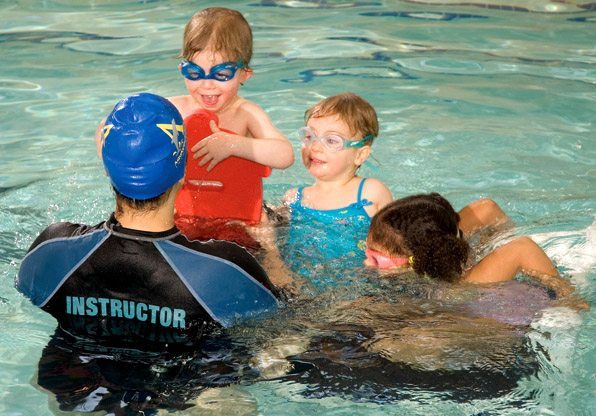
x: 337, y: 185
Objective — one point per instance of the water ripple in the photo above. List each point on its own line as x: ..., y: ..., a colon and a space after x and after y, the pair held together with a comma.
x: 544, y: 6
x: 18, y: 85
x: 314, y: 4
x: 425, y: 15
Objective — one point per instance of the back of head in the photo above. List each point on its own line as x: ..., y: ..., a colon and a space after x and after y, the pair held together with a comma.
x: 143, y: 146
x: 220, y: 29
x: 352, y: 109
x: 426, y: 227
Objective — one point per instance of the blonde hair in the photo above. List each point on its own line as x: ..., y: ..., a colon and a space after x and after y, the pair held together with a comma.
x: 223, y: 30
x: 352, y: 109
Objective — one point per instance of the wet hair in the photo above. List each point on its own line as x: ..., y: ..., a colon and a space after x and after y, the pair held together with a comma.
x: 352, y: 109
x: 223, y: 30
x: 144, y: 205
x: 424, y: 226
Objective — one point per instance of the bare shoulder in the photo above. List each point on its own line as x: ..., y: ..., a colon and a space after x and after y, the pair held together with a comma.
x: 377, y: 192
x: 251, y: 111
x: 247, y: 105
x: 178, y: 99
x: 183, y: 103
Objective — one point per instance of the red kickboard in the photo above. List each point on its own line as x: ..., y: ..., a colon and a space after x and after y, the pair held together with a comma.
x: 232, y: 190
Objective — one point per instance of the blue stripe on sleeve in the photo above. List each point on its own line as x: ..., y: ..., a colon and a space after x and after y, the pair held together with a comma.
x: 225, y: 290
x: 45, y: 268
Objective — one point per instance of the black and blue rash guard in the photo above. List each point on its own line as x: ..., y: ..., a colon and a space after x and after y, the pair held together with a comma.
x: 124, y: 286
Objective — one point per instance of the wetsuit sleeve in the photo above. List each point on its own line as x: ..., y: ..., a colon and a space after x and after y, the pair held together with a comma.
x: 54, y: 255
x: 247, y: 262
x: 236, y: 254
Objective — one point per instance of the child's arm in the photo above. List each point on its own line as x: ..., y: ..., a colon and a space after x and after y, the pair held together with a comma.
x: 271, y: 260
x: 267, y: 145
x: 278, y: 272
x: 521, y: 255
x: 480, y: 214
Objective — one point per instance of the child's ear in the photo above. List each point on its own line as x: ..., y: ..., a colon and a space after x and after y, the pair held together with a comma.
x: 245, y: 75
x: 362, y: 155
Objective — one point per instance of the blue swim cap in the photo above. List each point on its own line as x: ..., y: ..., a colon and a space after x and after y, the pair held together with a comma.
x: 143, y: 146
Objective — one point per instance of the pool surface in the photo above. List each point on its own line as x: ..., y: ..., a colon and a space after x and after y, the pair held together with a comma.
x: 475, y: 99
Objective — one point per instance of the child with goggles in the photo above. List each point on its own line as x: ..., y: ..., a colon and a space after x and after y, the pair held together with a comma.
x: 330, y: 218
x: 423, y: 233
x: 217, y: 48
x: 216, y: 51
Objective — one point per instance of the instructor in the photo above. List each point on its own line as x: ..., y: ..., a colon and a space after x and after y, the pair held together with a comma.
x: 134, y: 280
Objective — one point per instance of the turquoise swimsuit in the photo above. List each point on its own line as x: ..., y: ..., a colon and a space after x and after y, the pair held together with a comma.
x: 334, y: 236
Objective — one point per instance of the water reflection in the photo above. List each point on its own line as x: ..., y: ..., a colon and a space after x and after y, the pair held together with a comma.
x: 375, y: 343
x: 87, y: 378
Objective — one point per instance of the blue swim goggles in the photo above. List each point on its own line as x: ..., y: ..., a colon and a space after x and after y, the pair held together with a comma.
x: 220, y: 72
x: 332, y: 142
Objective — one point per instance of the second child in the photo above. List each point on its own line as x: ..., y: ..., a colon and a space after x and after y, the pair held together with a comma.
x: 330, y: 218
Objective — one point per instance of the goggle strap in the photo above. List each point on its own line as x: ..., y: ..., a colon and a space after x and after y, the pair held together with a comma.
x: 360, y: 143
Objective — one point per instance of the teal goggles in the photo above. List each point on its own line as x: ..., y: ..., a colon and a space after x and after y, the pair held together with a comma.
x: 332, y: 142
x: 220, y: 72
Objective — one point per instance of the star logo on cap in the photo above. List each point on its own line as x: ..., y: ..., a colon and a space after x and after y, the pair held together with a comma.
x: 104, y: 134
x: 173, y: 130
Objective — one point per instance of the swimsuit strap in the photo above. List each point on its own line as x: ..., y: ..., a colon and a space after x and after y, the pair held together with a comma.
x: 359, y: 196
x: 299, y: 195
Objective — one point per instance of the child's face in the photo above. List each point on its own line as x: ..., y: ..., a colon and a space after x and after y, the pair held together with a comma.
x: 212, y: 94
x: 325, y: 164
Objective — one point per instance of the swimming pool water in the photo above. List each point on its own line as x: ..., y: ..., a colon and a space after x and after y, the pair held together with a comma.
x: 487, y: 99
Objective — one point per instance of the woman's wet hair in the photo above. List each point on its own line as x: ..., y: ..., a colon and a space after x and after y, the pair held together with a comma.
x: 424, y: 226
x: 143, y: 205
